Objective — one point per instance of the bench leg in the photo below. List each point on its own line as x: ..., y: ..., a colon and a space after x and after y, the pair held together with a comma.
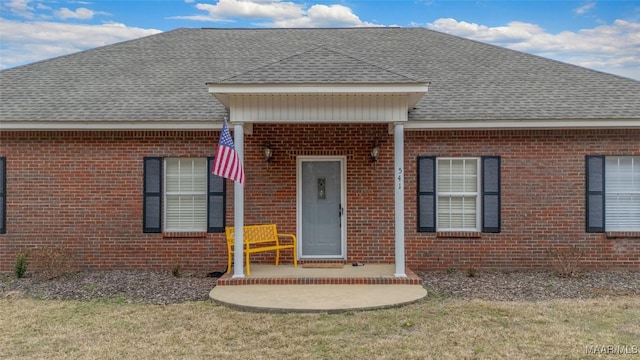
x: 277, y: 257
x: 229, y: 262
x: 248, y: 264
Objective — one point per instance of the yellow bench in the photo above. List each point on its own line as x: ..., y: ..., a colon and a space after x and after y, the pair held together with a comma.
x: 260, y: 238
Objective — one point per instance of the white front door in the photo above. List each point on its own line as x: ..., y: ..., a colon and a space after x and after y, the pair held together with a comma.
x: 321, y: 204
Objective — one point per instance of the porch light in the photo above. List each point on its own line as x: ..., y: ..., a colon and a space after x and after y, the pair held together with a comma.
x: 374, y: 153
x: 268, y: 153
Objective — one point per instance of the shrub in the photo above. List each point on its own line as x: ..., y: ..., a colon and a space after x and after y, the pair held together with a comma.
x: 21, y: 264
x: 177, y: 269
x: 565, y: 261
x: 52, y: 261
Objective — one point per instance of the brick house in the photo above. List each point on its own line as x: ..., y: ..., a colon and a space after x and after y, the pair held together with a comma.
x: 484, y: 157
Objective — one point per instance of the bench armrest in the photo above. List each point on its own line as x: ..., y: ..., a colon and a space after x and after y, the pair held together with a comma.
x: 291, y: 236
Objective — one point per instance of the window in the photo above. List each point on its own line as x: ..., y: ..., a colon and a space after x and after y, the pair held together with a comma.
x: 181, y: 195
x: 459, y: 194
x: 3, y: 195
x: 457, y: 188
x: 185, y: 201
x: 613, y: 193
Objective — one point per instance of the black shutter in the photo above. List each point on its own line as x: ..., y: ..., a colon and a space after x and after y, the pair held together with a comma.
x: 426, y: 194
x: 152, y: 202
x: 3, y: 195
x: 491, y: 194
x: 216, y: 200
x: 595, y: 181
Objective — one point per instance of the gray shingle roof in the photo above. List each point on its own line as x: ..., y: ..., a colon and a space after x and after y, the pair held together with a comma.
x: 319, y: 65
x: 162, y: 77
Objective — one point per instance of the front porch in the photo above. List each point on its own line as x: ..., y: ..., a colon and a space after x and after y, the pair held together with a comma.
x: 285, y: 288
x: 286, y: 274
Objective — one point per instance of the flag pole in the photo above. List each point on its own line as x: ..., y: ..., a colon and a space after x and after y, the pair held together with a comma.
x: 228, y: 164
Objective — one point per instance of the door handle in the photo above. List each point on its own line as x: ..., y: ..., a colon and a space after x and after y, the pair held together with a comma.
x: 340, y: 211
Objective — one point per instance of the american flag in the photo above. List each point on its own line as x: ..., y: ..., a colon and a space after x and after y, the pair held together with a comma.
x: 227, y: 163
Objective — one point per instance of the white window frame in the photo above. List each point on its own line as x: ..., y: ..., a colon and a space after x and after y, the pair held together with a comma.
x: 477, y: 194
x: 185, y: 227
x: 622, y: 204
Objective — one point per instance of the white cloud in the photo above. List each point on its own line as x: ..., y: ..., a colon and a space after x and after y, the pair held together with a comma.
x: 20, y: 8
x: 80, y: 13
x: 611, y: 48
x: 25, y: 42
x: 322, y: 16
x: 588, y: 6
x: 278, y: 13
x: 251, y: 9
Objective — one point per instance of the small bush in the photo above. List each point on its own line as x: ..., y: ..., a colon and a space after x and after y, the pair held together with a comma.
x: 21, y: 264
x: 52, y: 261
x: 472, y: 272
x: 565, y: 261
x: 176, y: 270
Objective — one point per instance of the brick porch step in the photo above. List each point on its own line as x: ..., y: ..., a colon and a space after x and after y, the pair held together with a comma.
x: 320, y: 276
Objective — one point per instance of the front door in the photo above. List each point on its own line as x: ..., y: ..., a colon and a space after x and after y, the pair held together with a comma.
x: 321, y: 207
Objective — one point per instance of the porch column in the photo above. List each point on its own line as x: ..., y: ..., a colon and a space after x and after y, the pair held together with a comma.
x: 238, y: 208
x: 398, y: 150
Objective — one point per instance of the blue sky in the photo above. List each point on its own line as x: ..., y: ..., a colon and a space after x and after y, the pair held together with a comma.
x: 602, y: 35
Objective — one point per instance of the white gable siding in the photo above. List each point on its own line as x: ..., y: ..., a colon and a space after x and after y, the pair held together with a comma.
x: 296, y: 108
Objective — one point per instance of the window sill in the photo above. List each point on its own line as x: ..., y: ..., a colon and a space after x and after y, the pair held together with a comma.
x: 184, y: 234
x: 622, y: 234
x: 458, y: 234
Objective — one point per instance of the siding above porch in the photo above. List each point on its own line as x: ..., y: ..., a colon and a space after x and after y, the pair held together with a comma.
x: 307, y: 108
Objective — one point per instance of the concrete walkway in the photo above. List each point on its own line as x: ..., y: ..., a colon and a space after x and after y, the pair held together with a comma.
x: 287, y: 289
x: 316, y: 298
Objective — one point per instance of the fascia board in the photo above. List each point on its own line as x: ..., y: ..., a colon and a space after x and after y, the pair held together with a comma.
x: 109, y: 125
x: 523, y: 124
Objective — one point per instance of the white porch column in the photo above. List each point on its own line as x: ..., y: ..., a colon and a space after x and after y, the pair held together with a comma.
x: 398, y: 150
x: 238, y: 206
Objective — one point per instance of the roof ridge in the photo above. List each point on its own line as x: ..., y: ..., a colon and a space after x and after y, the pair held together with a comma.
x: 297, y: 53
x: 316, y: 47
x: 391, y: 70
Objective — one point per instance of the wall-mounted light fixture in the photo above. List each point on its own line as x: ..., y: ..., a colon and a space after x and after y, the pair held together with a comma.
x: 374, y: 153
x: 267, y: 152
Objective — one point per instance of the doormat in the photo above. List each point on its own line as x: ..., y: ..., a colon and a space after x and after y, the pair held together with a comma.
x: 323, y: 265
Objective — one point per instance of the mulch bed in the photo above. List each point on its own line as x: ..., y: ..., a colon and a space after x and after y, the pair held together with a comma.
x: 150, y: 287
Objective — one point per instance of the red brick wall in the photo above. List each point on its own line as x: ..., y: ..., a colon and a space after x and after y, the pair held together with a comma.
x: 543, y: 199
x: 83, y: 190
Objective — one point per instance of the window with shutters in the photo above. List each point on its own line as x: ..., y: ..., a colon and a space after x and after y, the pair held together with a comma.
x: 459, y: 194
x: 182, y: 195
x: 622, y: 193
x: 185, y: 203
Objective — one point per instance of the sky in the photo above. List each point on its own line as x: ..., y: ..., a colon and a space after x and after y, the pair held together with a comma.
x: 599, y: 34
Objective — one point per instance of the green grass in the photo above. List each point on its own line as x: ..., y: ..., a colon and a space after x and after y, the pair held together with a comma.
x: 437, y: 329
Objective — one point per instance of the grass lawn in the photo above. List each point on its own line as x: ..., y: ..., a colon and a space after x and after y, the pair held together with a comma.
x: 435, y: 328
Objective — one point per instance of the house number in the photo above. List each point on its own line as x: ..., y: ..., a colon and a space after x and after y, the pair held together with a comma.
x: 399, y: 178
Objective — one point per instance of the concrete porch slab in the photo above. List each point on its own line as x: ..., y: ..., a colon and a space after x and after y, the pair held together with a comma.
x: 286, y: 274
x: 329, y: 298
